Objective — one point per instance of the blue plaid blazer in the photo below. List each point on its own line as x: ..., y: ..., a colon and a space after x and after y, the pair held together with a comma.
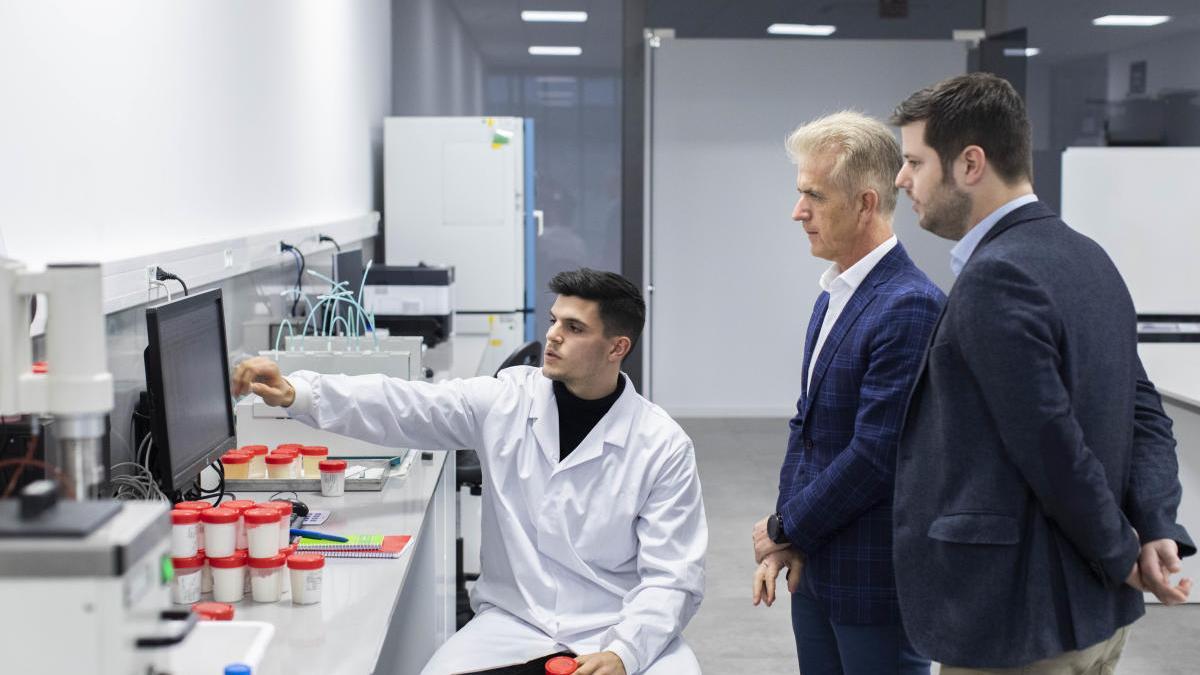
x: 836, y: 484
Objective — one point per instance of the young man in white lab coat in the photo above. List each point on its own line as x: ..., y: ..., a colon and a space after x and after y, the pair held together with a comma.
x: 594, y: 531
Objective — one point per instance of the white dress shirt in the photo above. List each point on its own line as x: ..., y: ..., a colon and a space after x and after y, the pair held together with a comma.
x: 961, y: 253
x: 841, y: 286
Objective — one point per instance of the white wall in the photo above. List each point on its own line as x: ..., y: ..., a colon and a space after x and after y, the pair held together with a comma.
x: 140, y: 126
x: 733, y: 276
x: 437, y: 68
x: 1173, y: 63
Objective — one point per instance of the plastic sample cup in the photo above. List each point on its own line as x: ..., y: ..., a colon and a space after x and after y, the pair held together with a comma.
x: 237, y: 464
x: 229, y: 577
x: 262, y: 531
x: 213, y: 611
x: 294, y: 455
x: 220, y: 531
x: 305, y: 570
x: 312, y: 456
x: 185, y: 587
x: 333, y: 477
x: 205, y: 573
x: 279, y: 467
x: 258, y: 456
x: 265, y: 578
x: 285, y: 579
x: 185, y: 526
x: 240, y: 505
x: 285, y: 521
x: 198, y: 507
x: 561, y: 665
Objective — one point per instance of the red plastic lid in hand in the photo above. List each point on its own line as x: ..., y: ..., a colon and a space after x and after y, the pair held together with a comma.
x: 561, y: 665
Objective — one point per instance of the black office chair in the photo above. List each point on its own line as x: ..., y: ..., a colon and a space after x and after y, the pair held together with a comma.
x: 469, y: 474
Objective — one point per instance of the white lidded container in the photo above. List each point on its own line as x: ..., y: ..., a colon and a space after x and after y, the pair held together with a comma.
x: 198, y: 507
x: 279, y: 467
x: 185, y: 585
x: 205, y: 574
x: 305, y: 570
x: 311, y: 456
x: 240, y: 505
x: 185, y: 529
x: 229, y: 577
x: 258, y: 460
x: 285, y: 521
x: 265, y: 578
x: 333, y: 477
x: 262, y: 531
x: 220, y: 531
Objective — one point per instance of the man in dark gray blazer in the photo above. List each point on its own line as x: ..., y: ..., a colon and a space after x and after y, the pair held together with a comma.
x: 1037, y: 484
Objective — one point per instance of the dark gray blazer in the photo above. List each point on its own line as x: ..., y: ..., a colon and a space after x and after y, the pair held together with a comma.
x: 1033, y: 447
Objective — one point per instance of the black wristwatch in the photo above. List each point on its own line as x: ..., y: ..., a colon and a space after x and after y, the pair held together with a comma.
x: 775, y: 529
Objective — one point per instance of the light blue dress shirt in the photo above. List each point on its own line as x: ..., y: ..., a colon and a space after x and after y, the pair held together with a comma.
x: 961, y: 253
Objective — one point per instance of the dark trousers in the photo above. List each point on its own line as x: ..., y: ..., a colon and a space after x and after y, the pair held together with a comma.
x: 828, y: 648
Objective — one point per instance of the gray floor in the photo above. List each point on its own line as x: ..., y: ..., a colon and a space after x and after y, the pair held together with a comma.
x: 739, y: 467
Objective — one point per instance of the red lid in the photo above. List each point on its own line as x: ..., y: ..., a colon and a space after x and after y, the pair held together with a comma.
x: 235, y: 457
x: 285, y: 452
x: 254, y: 449
x: 185, y: 517
x: 332, y: 465
x: 261, y: 516
x: 240, y: 505
x: 191, y: 563
x: 40, y: 367
x: 238, y: 559
x: 219, y: 515
x: 193, y: 506
x: 313, y: 450
x: 277, y: 460
x: 561, y: 665
x: 284, y: 508
x: 288, y: 446
x: 274, y: 561
x: 306, y: 561
x: 214, y: 611
x: 291, y: 549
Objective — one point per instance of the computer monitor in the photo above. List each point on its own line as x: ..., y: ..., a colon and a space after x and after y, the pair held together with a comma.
x: 187, y: 376
x: 348, y: 267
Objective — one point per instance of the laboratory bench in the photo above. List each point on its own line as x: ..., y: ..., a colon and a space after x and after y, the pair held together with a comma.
x: 375, y: 615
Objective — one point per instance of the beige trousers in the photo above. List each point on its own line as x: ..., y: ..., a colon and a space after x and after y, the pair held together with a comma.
x: 1099, y: 659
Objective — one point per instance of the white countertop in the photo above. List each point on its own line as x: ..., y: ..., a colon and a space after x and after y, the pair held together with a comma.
x: 1174, y: 368
x: 345, y: 632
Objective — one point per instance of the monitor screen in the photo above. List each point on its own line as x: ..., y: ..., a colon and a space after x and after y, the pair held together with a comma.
x: 187, y: 375
x: 348, y: 266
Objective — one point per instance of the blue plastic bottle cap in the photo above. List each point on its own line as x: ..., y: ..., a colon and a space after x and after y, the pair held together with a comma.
x: 237, y: 669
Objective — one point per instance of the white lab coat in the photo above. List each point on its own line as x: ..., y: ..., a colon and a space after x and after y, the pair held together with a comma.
x: 603, y: 551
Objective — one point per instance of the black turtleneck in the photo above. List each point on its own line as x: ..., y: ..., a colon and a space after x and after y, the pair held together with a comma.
x: 577, y: 416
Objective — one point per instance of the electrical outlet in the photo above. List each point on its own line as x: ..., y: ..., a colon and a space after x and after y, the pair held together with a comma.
x: 228, y: 258
x: 151, y: 274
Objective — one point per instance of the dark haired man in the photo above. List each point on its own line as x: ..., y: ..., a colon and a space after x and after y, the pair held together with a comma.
x: 1037, y: 483
x: 594, y: 528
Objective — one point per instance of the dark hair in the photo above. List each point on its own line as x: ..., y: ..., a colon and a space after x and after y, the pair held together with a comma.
x: 622, y: 309
x: 976, y: 109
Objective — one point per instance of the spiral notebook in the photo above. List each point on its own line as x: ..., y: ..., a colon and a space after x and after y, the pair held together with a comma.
x: 359, y: 546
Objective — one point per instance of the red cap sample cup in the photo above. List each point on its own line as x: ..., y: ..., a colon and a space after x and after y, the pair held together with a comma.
x: 561, y: 665
x: 213, y: 611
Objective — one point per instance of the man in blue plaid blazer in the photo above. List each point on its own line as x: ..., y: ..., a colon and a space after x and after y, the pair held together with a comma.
x: 865, y: 341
